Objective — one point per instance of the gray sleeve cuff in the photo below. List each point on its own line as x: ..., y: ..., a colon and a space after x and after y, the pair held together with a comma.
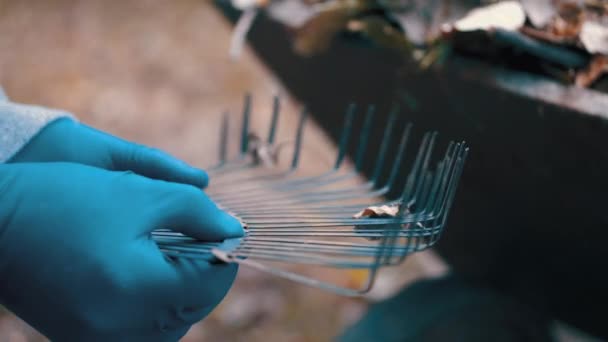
x: 19, y: 123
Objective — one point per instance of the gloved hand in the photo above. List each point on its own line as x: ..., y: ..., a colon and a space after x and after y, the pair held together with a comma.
x: 69, y: 141
x: 77, y: 261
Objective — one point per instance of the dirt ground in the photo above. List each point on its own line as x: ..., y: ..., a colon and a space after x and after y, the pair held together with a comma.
x: 158, y: 72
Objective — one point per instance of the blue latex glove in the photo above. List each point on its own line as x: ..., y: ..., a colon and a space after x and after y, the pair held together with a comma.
x: 69, y: 141
x: 77, y: 261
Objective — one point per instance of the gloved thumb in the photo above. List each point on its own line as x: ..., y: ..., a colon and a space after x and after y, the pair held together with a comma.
x: 156, y: 164
x: 188, y: 210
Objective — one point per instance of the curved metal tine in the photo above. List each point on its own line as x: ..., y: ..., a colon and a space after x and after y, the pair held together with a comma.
x: 265, y: 178
x: 355, y: 190
x: 268, y: 175
x: 364, y: 137
x: 293, y: 276
x: 224, y: 139
x: 434, y: 207
x: 275, y: 248
x: 311, y: 246
x: 430, y: 185
x: 436, y: 224
x: 294, y: 222
x: 293, y: 185
x: 428, y: 194
x: 332, y: 195
x: 384, y: 144
x: 455, y: 181
x: 241, y: 169
x: 448, y: 183
x: 400, y: 154
x: 294, y: 201
x: 245, y: 126
x: 423, y: 169
x: 312, y: 214
x: 413, y: 175
x: 276, y: 105
x: 417, y: 176
x: 303, y: 183
x: 342, y: 150
x: 425, y: 184
x: 381, y: 162
x: 244, y: 134
x: 306, y: 196
x: 406, y: 218
x: 342, y: 147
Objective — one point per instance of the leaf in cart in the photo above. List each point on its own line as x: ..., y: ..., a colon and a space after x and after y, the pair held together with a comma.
x: 382, y: 33
x: 331, y: 18
x: 539, y: 12
x: 249, y: 4
x: 506, y: 15
x: 594, y: 37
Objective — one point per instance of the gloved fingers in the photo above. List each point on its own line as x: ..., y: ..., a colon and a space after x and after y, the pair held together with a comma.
x: 203, y: 287
x: 154, y: 163
x: 188, y: 210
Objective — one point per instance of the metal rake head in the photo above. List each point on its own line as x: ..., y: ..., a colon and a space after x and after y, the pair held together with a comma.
x: 327, y: 220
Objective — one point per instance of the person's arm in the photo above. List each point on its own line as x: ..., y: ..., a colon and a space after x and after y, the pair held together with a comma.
x: 20, y: 123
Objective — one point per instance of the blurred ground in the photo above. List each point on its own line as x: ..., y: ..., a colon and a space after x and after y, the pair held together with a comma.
x: 157, y: 72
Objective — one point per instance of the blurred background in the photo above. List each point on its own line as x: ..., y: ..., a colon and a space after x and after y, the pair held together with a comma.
x: 524, y: 84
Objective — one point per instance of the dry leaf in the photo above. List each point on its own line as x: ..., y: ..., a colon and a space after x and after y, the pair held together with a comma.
x: 569, y: 21
x: 384, y: 211
x: 381, y: 211
x: 331, y: 18
x: 291, y: 13
x: 594, y: 37
x: 248, y: 4
x: 263, y: 153
x: 382, y: 33
x: 506, y: 15
x: 597, y: 67
x: 540, y: 12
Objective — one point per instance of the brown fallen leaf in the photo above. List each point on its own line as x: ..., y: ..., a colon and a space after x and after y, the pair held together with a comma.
x: 568, y: 21
x: 247, y: 4
x: 330, y: 18
x: 263, y: 153
x: 597, y: 67
x: 381, y: 32
x: 381, y: 211
x: 506, y: 15
x: 594, y: 37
